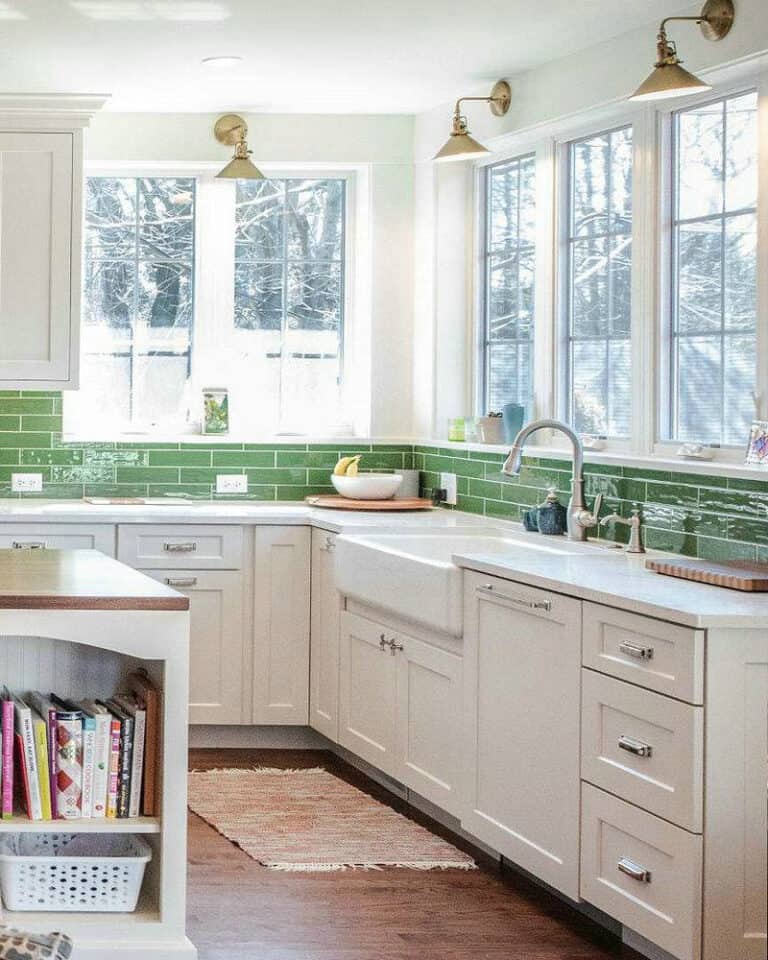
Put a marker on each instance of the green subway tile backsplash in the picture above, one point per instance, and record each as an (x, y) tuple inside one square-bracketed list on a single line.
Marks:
[(712, 517)]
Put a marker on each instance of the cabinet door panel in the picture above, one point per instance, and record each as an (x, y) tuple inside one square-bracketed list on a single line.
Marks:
[(324, 638), (281, 625), (521, 696), (38, 298), (58, 536), (367, 692), (216, 641), (428, 721)]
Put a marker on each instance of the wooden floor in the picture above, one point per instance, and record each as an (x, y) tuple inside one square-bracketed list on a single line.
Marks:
[(238, 909)]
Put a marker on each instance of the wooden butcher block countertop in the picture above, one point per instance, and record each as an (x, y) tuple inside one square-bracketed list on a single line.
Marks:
[(78, 580)]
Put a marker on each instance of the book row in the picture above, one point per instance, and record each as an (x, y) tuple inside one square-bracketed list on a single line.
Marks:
[(66, 759)]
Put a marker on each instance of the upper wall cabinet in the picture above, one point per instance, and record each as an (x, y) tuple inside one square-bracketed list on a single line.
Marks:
[(41, 194)]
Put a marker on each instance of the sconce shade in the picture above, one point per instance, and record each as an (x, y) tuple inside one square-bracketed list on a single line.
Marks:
[(669, 80), (240, 168), (460, 146)]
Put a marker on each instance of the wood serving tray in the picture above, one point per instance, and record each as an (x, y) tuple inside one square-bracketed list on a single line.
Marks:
[(336, 502), (736, 575)]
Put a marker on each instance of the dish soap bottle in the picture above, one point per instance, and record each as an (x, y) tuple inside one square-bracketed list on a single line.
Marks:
[(552, 516)]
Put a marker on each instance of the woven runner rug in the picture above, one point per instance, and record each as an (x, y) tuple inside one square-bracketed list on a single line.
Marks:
[(311, 821)]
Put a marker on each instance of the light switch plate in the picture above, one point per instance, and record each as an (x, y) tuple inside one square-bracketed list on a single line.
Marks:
[(26, 482), (448, 483), (231, 483)]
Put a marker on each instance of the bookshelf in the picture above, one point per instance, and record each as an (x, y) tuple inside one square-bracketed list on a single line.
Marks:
[(82, 624)]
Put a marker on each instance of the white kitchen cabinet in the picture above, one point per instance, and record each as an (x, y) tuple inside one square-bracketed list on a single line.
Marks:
[(217, 639), (325, 624), (736, 762), (58, 536), (281, 590), (400, 706), (428, 746), (41, 200), (522, 654)]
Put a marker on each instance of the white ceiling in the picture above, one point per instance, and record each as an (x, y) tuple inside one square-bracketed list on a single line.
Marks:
[(356, 56)]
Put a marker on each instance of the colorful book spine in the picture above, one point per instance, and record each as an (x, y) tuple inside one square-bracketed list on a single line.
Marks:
[(40, 728), (89, 764), (114, 768), (69, 764), (101, 764), (25, 730), (7, 757), (137, 765), (126, 757)]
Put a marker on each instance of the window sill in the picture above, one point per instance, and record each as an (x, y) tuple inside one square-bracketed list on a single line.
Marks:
[(709, 468), (212, 439)]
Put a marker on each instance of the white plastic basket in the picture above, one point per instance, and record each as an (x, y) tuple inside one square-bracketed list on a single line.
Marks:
[(85, 872)]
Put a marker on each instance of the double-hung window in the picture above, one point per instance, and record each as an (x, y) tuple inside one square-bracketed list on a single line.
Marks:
[(139, 300), (598, 284), (713, 288), (508, 302), (193, 282)]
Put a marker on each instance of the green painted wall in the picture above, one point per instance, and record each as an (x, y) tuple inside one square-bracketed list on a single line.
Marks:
[(712, 517)]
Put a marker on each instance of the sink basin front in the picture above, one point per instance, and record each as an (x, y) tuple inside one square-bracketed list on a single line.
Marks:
[(413, 574)]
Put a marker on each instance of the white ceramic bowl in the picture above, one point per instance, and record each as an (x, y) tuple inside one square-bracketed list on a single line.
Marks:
[(368, 486)]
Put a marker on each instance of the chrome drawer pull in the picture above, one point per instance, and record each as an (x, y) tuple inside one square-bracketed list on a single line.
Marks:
[(636, 651), (634, 870), (637, 747), (180, 547), (394, 646), (382, 641), (28, 544), (522, 601), (181, 581), (330, 545)]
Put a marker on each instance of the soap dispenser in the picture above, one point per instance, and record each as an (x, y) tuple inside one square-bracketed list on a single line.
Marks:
[(552, 517)]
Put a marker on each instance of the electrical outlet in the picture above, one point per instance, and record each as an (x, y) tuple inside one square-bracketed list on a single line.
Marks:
[(26, 482), (448, 483), (231, 483)]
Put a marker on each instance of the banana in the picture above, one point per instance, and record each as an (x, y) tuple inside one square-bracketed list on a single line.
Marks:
[(353, 468), (342, 466)]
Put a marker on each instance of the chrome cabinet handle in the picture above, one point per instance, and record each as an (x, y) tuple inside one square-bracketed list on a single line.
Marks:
[(382, 642), (637, 747), (522, 601), (636, 651), (394, 646), (179, 547), (634, 870), (181, 581), (28, 544), (330, 544)]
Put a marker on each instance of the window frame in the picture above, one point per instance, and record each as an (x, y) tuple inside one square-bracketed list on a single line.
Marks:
[(482, 338), (651, 237), (663, 444), (210, 285), (564, 266)]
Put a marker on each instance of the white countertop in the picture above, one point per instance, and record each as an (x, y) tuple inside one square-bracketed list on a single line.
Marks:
[(604, 576)]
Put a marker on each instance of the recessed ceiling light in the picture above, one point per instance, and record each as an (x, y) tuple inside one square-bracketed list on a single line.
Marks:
[(221, 63)]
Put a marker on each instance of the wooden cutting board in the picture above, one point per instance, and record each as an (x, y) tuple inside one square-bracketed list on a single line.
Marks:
[(335, 502), (736, 575)]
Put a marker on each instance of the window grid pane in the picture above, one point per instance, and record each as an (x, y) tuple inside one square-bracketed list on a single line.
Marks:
[(510, 250), (714, 271), (139, 295), (599, 277), (289, 287)]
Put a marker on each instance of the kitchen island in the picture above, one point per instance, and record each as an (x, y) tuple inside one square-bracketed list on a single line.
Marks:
[(77, 622)]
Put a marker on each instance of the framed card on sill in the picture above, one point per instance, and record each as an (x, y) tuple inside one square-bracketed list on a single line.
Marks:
[(757, 449)]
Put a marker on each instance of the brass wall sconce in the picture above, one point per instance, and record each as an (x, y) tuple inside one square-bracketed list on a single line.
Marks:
[(668, 78), (232, 130), (460, 145)]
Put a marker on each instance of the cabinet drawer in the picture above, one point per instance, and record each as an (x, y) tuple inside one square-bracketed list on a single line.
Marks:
[(644, 747), (199, 546), (661, 656), (642, 871), (58, 536)]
